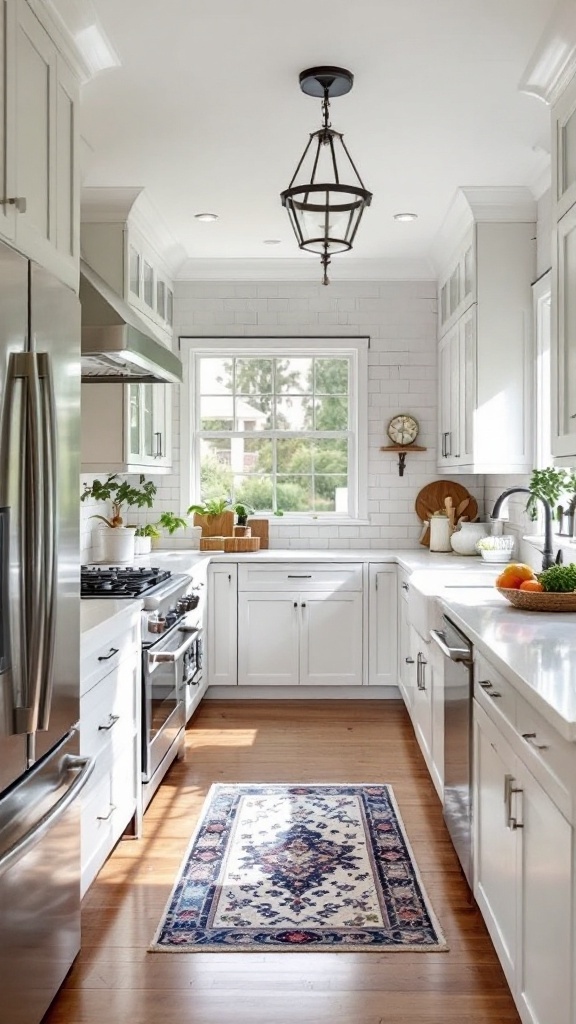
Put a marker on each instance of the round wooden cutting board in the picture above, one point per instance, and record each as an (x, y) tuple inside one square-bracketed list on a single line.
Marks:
[(432, 497)]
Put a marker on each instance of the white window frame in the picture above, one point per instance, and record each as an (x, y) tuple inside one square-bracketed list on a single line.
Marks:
[(357, 351)]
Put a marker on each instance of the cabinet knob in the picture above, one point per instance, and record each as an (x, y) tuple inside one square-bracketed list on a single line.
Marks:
[(405, 586), (409, 661), (303, 604), (18, 202)]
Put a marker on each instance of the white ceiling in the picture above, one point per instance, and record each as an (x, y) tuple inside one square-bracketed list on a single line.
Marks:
[(206, 112)]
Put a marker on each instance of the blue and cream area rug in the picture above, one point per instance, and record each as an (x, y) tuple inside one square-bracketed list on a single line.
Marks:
[(299, 867)]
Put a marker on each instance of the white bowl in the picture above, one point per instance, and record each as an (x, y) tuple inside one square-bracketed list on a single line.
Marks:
[(496, 554)]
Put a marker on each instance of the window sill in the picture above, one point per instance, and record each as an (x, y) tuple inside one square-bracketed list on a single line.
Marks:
[(287, 520)]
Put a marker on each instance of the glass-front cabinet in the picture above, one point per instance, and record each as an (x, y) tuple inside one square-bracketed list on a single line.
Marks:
[(149, 425), (564, 151)]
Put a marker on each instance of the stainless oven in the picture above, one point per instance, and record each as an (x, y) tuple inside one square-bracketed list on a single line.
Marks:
[(170, 665)]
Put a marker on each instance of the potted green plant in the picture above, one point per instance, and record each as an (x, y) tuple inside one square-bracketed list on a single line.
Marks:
[(242, 510), (143, 537), (215, 517), (166, 526), (550, 484), (117, 541)]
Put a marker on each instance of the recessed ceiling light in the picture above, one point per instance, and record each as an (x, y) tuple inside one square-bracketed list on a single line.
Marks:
[(272, 241), (405, 216), (206, 216)]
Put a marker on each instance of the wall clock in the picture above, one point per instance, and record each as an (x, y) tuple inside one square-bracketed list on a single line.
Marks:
[(403, 429)]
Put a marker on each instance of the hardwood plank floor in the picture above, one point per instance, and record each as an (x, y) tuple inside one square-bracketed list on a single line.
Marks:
[(115, 979)]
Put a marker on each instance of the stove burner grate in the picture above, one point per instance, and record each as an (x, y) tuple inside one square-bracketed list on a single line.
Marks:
[(120, 581)]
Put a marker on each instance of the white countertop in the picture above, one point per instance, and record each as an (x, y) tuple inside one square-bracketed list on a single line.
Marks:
[(96, 614)]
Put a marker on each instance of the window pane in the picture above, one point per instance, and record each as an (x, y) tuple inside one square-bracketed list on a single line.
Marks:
[(294, 493), (294, 376), (330, 494), (161, 299), (216, 412), (134, 271), (256, 491), (253, 376), (331, 376), (253, 413), (215, 473), (251, 455), (293, 413), (330, 456), (294, 455), (331, 413), (215, 376), (148, 285)]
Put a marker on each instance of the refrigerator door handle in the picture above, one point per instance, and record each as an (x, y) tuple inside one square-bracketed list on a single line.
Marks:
[(50, 517), (70, 763), (29, 492)]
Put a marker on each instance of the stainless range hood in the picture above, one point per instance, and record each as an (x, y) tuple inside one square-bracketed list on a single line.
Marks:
[(117, 347)]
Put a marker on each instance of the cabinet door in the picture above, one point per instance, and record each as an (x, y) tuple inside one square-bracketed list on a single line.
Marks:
[(449, 400), (268, 639), (545, 898), (149, 425), (495, 845), (7, 119), (331, 639), (222, 625), (406, 662), (35, 134), (564, 338), (67, 201), (564, 152), (422, 695), (382, 626), (466, 386)]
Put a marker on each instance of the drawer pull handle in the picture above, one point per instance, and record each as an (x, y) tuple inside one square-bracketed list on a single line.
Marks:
[(494, 694), (485, 684), (106, 657), (409, 661), (18, 202), (112, 719), (405, 586), (300, 577), (106, 817), (530, 738)]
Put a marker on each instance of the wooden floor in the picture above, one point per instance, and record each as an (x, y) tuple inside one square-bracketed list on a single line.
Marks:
[(115, 979)]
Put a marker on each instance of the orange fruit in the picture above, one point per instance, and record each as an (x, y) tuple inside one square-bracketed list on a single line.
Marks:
[(534, 586), (513, 575)]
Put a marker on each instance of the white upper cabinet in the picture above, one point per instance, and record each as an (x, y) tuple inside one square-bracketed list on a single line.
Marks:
[(39, 95), (124, 241), (485, 349), (563, 349), (126, 428)]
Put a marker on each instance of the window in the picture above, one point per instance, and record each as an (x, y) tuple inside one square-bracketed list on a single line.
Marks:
[(277, 426)]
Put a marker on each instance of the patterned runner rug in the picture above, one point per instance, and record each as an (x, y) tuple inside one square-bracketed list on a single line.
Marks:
[(299, 867)]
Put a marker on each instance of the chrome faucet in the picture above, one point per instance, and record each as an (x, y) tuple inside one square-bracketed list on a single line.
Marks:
[(547, 553)]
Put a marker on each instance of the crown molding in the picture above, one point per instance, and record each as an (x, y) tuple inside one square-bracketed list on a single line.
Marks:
[(553, 62), (304, 269), (476, 204), (118, 204)]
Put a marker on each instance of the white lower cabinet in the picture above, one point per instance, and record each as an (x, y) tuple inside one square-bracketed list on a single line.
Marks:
[(423, 695), (406, 663), (524, 877), (382, 625), (222, 625), (110, 731), (308, 638)]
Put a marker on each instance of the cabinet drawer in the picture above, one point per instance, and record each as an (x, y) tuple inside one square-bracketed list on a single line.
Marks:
[(97, 660), (301, 577), (550, 757), (108, 712), (493, 692)]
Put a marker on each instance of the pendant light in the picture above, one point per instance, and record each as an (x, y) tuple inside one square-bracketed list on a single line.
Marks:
[(324, 211)]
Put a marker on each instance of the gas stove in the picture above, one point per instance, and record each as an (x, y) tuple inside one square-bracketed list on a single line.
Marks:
[(119, 581)]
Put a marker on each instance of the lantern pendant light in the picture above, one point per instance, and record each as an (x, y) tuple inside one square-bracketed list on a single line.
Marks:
[(325, 212)]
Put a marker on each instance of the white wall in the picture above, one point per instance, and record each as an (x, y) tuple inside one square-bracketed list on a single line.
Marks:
[(400, 319)]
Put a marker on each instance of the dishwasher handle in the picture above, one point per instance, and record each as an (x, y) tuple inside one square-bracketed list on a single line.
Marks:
[(461, 654)]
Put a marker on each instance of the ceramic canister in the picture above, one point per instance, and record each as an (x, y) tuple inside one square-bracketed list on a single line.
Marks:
[(465, 538), (439, 533)]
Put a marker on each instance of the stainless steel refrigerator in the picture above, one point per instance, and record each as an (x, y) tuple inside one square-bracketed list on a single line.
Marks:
[(41, 774)]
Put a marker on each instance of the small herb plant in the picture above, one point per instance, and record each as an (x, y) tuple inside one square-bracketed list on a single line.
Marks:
[(212, 507), (242, 511), (121, 494), (150, 530), (169, 522)]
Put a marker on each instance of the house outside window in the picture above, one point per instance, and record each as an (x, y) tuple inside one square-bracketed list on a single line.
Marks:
[(280, 425)]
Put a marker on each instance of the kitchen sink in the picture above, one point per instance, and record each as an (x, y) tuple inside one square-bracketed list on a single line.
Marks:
[(427, 585)]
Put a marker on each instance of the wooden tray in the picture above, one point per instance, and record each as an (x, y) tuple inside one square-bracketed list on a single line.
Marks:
[(432, 497), (241, 543), (529, 601)]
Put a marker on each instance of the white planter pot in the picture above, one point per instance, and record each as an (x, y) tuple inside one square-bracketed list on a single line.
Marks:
[(117, 544), (142, 545)]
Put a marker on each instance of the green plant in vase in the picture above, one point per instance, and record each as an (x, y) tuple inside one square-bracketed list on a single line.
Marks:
[(121, 494)]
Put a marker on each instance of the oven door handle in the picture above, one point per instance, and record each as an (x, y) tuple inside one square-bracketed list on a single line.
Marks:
[(454, 653), (170, 657)]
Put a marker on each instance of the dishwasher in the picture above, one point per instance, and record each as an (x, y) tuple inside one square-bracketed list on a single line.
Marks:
[(458, 692)]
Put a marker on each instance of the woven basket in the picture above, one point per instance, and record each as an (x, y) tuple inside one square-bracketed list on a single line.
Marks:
[(530, 601)]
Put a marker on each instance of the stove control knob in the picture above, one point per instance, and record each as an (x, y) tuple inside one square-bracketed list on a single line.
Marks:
[(171, 617)]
